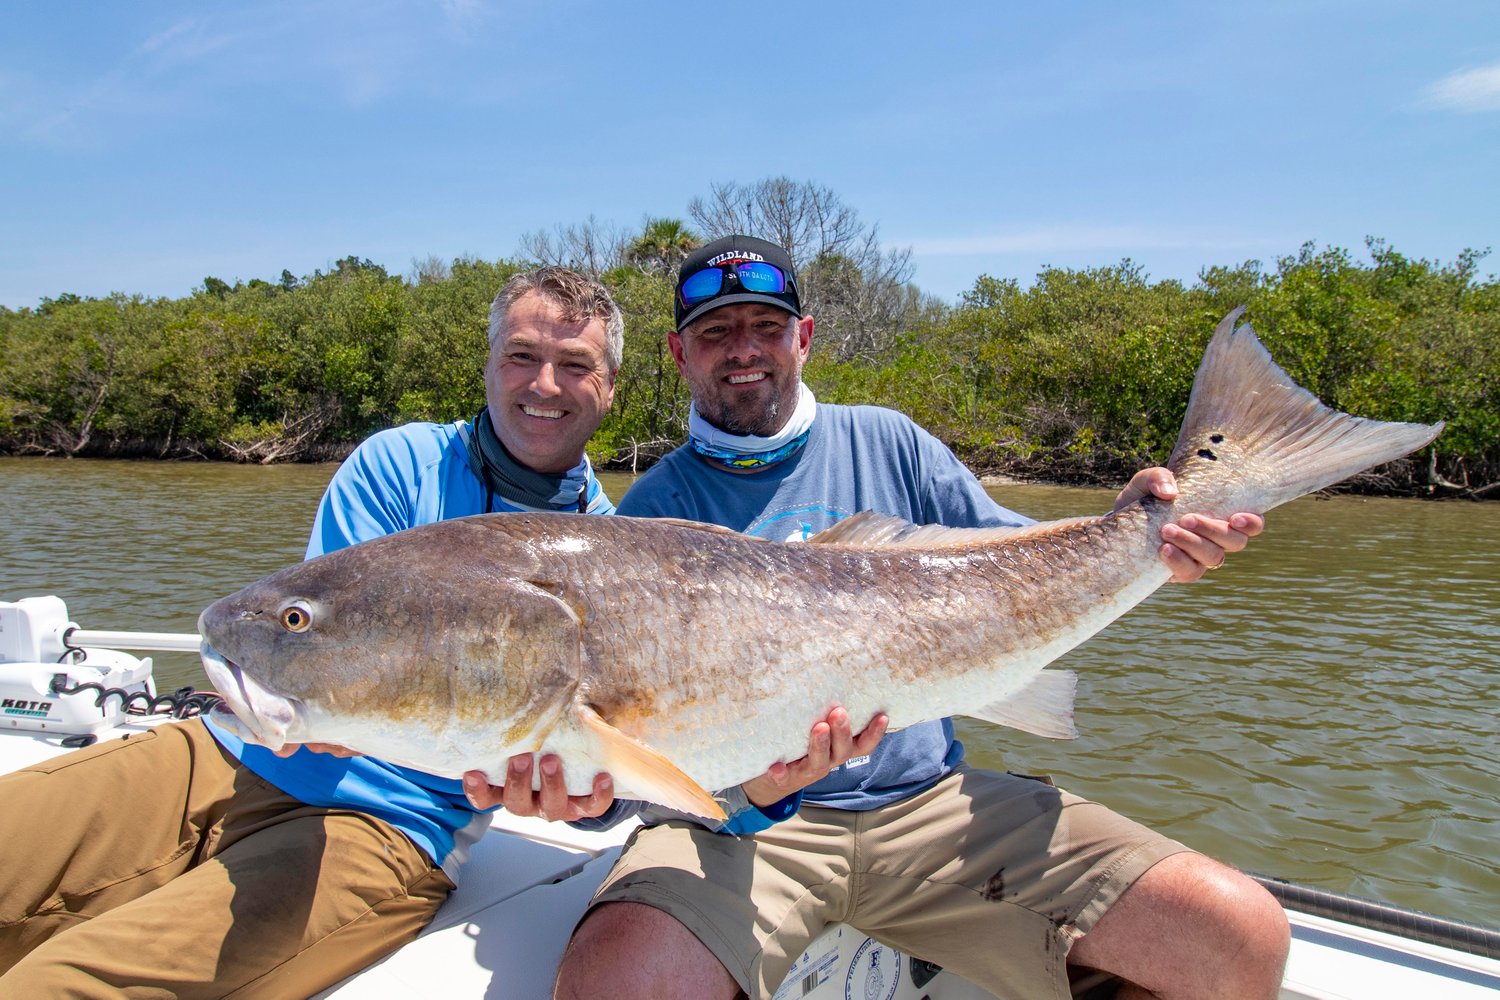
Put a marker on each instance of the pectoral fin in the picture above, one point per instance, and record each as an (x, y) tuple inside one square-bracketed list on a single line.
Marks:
[(1043, 707), (645, 771)]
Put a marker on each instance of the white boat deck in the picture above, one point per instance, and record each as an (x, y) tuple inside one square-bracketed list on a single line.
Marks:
[(507, 945)]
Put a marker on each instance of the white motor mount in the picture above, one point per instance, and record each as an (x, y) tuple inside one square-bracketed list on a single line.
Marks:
[(37, 663)]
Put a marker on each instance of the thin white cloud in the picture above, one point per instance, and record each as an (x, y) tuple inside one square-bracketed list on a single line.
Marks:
[(1070, 238), (151, 80), (462, 11), (184, 42), (161, 38), (1466, 90), (357, 52)]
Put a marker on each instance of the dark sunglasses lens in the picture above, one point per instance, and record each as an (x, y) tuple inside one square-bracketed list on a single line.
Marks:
[(762, 278), (703, 285)]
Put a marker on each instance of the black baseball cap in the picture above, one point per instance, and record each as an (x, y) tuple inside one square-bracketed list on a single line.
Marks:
[(727, 256)]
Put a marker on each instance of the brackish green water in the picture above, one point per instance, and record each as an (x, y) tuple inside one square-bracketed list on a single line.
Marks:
[(1324, 709)]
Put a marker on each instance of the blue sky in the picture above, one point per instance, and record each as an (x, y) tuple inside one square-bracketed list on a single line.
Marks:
[(146, 146)]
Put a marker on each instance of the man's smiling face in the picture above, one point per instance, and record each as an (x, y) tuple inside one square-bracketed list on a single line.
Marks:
[(547, 383), (743, 363)]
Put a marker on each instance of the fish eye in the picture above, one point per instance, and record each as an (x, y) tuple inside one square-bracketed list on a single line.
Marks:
[(296, 617)]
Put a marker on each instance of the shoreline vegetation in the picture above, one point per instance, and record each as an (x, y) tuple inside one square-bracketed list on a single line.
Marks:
[(1079, 378)]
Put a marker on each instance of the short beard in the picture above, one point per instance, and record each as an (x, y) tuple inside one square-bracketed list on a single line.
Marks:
[(767, 421)]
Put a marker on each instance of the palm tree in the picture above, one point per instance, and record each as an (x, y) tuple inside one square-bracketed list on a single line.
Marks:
[(661, 246)]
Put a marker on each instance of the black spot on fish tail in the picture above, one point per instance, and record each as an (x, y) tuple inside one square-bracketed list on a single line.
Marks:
[(1216, 438), (994, 889), (1205, 453)]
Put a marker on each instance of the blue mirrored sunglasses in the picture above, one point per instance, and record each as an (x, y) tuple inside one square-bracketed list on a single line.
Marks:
[(751, 276)]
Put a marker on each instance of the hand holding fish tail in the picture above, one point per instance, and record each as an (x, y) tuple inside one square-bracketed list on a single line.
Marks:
[(550, 802), (1197, 543), (831, 743)]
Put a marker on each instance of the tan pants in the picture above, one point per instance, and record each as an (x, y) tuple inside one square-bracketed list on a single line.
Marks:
[(157, 866), (993, 876)]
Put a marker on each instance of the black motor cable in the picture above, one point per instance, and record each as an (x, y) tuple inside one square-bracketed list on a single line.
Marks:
[(184, 703)]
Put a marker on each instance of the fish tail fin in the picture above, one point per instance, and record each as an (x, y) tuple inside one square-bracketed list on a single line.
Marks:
[(1252, 438), (646, 772)]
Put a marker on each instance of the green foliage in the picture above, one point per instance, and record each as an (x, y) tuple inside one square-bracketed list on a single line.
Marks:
[(1082, 375), (1400, 340), (649, 416), (437, 368), (1085, 374)]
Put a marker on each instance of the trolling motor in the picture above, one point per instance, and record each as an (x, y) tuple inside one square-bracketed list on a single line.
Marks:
[(58, 678)]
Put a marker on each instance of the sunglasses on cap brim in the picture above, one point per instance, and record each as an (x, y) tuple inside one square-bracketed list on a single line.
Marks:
[(750, 276)]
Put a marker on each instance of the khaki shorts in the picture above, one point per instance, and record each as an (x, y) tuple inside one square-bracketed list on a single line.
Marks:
[(992, 876), (157, 864)]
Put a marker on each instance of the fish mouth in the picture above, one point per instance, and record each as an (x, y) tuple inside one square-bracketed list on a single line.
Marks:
[(253, 712)]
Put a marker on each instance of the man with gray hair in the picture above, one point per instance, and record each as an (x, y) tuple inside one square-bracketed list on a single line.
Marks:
[(185, 862)]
